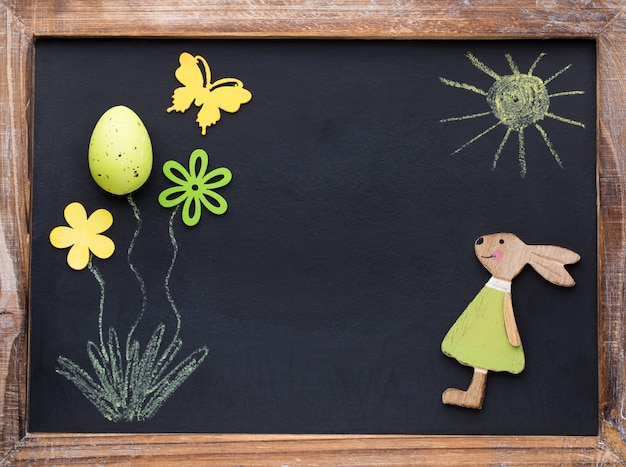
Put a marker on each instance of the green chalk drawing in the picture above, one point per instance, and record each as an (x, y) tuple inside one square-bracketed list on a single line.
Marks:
[(134, 385), (142, 284), (166, 284), (518, 101)]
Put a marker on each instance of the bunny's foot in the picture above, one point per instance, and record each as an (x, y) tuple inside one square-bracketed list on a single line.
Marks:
[(473, 397)]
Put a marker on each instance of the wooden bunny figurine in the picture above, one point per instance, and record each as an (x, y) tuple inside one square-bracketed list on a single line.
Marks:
[(485, 336)]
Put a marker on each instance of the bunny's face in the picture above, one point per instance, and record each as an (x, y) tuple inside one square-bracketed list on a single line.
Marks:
[(503, 254)]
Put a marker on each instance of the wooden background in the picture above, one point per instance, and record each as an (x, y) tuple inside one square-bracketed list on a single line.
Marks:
[(26, 20)]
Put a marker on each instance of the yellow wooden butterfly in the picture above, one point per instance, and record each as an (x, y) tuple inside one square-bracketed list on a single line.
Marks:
[(227, 94)]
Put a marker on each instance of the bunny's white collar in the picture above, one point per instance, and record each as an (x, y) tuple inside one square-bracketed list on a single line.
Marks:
[(499, 284)]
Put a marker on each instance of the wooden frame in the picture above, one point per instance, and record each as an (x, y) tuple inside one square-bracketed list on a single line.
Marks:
[(26, 20)]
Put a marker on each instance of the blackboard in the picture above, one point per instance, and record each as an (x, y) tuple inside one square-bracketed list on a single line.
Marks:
[(346, 252)]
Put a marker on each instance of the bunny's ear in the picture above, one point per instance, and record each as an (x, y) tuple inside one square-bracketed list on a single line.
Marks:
[(549, 261)]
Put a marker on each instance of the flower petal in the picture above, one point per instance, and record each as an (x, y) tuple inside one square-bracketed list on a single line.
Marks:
[(219, 208), (199, 155), (78, 257), (194, 218), (99, 221), (169, 203), (75, 215), (171, 166), (101, 246), (223, 176), (62, 236)]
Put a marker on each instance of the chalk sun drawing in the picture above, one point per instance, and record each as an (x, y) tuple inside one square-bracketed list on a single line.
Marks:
[(518, 101)]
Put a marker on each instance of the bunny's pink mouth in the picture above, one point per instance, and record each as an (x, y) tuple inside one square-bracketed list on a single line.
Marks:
[(497, 255)]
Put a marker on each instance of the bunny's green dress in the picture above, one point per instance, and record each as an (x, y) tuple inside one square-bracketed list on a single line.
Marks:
[(478, 337)]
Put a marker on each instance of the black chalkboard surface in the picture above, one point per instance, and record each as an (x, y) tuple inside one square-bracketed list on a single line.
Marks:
[(346, 253)]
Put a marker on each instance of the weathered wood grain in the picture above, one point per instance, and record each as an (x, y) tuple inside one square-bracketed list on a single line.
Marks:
[(259, 450), (25, 20), (611, 233), (15, 110), (313, 18)]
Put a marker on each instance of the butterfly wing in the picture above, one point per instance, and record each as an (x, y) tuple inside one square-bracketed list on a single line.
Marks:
[(227, 94), (190, 76), (230, 94)]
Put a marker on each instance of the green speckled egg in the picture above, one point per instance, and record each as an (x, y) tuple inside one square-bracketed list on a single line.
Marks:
[(120, 151)]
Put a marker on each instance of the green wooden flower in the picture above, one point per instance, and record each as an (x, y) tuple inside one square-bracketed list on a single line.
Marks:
[(195, 187)]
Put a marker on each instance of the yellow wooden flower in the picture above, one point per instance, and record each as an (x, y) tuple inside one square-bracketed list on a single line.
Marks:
[(83, 235)]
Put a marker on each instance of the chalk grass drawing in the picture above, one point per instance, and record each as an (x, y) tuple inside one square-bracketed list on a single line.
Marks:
[(129, 384), (226, 94), (518, 101)]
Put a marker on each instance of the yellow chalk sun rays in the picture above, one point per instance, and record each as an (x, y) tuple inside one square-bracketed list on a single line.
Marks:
[(518, 101)]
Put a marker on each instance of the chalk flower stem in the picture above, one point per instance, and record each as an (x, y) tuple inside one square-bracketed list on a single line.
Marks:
[(195, 187), (83, 235)]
